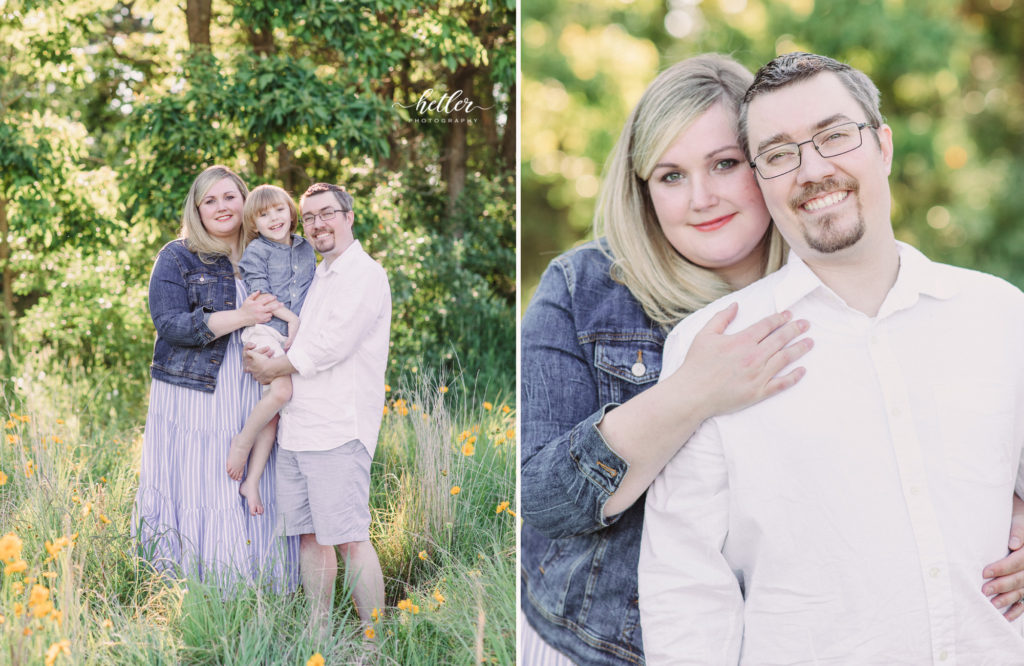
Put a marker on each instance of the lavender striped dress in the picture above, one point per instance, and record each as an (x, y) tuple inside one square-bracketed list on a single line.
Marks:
[(189, 517)]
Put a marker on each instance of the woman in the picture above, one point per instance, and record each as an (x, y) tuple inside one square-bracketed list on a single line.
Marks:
[(190, 517), (684, 224)]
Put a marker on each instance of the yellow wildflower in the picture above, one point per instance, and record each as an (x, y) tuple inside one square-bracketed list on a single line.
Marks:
[(443, 389), (19, 608), (104, 519), (60, 421), (439, 597), (16, 567), (107, 624), (86, 509), (415, 407), (370, 633), (3, 477), (2, 619), (385, 410), (57, 616), (506, 409), (50, 575), (488, 406), (316, 660), (103, 479), (415, 609), (10, 547), (18, 587), (423, 555), (464, 435), (510, 433), (9, 425), (55, 650), (405, 604), (30, 579), (468, 449), (24, 418), (387, 388), (12, 439), (26, 631), (403, 411), (456, 490), (444, 472), (375, 614), (501, 507), (30, 468)]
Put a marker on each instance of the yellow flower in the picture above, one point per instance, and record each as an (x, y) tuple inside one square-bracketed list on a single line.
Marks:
[(506, 409), (463, 435), (423, 555), (56, 650), (19, 608), (387, 388), (375, 614), (107, 624), (415, 407), (2, 619), (60, 421), (3, 477), (38, 595), (443, 389), (439, 597), (444, 472), (86, 509), (10, 547), (103, 479), (399, 403), (9, 425), (488, 406), (456, 490), (104, 519), (18, 587), (468, 449), (26, 631), (404, 411), (24, 418), (501, 507), (57, 616), (405, 604), (50, 575), (316, 660), (385, 410), (30, 467), (510, 433), (370, 633), (12, 439), (16, 567)]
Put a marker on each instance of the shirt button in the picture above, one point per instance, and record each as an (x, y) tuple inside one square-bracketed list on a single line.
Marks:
[(934, 572), (943, 655), (915, 490)]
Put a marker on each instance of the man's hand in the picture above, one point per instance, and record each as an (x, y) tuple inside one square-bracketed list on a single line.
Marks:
[(1007, 575), (256, 362)]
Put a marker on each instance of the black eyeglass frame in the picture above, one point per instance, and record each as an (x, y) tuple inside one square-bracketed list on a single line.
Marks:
[(321, 215), (800, 155)]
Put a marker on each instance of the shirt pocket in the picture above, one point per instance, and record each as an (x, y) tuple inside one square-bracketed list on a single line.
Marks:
[(202, 288), (625, 366)]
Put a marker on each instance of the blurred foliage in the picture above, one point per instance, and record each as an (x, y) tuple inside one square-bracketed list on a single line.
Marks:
[(951, 74), (109, 109)]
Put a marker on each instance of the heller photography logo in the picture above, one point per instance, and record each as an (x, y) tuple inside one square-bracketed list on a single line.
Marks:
[(441, 110)]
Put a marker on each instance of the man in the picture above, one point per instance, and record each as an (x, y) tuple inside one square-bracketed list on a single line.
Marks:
[(848, 519), (328, 432)]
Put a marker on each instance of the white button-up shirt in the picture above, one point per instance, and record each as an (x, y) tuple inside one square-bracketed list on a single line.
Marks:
[(847, 520), (340, 354)]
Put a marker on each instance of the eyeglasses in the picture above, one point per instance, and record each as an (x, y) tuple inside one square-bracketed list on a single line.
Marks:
[(325, 216), (830, 142)]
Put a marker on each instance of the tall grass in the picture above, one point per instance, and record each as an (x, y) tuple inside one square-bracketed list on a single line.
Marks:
[(73, 588)]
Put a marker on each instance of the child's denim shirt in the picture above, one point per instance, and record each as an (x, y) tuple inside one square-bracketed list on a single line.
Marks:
[(286, 271), (183, 292), (587, 346)]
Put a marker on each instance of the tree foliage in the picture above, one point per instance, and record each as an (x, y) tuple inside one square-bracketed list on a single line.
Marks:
[(113, 108), (950, 73)]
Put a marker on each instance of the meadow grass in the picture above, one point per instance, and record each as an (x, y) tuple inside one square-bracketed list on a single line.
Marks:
[(74, 589)]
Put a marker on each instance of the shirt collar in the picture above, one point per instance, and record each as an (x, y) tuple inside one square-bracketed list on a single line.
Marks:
[(918, 276), (346, 257), (296, 240)]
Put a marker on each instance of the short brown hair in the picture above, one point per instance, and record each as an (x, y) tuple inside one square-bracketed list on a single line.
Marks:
[(343, 197), (259, 200)]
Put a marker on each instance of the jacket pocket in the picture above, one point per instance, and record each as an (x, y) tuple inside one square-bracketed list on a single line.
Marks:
[(625, 367), (202, 288)]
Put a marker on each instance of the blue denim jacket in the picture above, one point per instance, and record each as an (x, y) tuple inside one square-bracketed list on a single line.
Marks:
[(587, 346), (286, 271), (183, 292)]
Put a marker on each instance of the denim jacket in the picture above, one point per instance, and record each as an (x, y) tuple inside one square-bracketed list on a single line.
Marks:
[(183, 292), (286, 271), (587, 346)]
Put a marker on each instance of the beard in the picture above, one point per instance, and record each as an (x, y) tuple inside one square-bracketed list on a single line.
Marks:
[(826, 234)]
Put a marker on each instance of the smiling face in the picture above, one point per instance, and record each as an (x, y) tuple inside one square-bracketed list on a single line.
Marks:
[(331, 238), (706, 199), (827, 208), (275, 223), (220, 210)]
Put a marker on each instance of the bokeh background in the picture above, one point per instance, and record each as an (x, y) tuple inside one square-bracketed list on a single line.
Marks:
[(951, 73)]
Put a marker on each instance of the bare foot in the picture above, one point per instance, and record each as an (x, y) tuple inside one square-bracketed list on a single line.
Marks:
[(250, 490), (237, 455)]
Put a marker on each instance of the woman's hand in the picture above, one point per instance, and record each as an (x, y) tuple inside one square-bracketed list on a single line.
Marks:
[(258, 308), (1007, 574), (735, 371)]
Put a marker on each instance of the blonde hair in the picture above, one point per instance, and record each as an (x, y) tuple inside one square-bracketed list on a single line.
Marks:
[(197, 239), (667, 285), (259, 200)]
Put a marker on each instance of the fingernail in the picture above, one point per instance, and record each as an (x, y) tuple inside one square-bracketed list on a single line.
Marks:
[(1016, 542), (803, 325), (998, 603), (987, 590)]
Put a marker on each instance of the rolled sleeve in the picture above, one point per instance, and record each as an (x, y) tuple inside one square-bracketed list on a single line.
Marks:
[(568, 471)]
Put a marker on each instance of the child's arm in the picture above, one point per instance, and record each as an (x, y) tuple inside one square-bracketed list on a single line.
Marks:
[(292, 320)]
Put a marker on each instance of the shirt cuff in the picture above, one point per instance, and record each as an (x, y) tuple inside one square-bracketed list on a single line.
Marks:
[(201, 325), (596, 460), (302, 363)]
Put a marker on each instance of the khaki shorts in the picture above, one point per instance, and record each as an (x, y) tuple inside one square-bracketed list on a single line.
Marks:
[(326, 493)]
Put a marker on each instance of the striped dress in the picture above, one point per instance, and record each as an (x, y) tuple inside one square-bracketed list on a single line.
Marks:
[(189, 517)]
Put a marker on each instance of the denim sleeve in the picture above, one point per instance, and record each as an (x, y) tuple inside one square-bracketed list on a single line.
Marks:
[(568, 471), (169, 308), (254, 267)]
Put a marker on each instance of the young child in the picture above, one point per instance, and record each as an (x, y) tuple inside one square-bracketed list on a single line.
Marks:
[(279, 262)]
